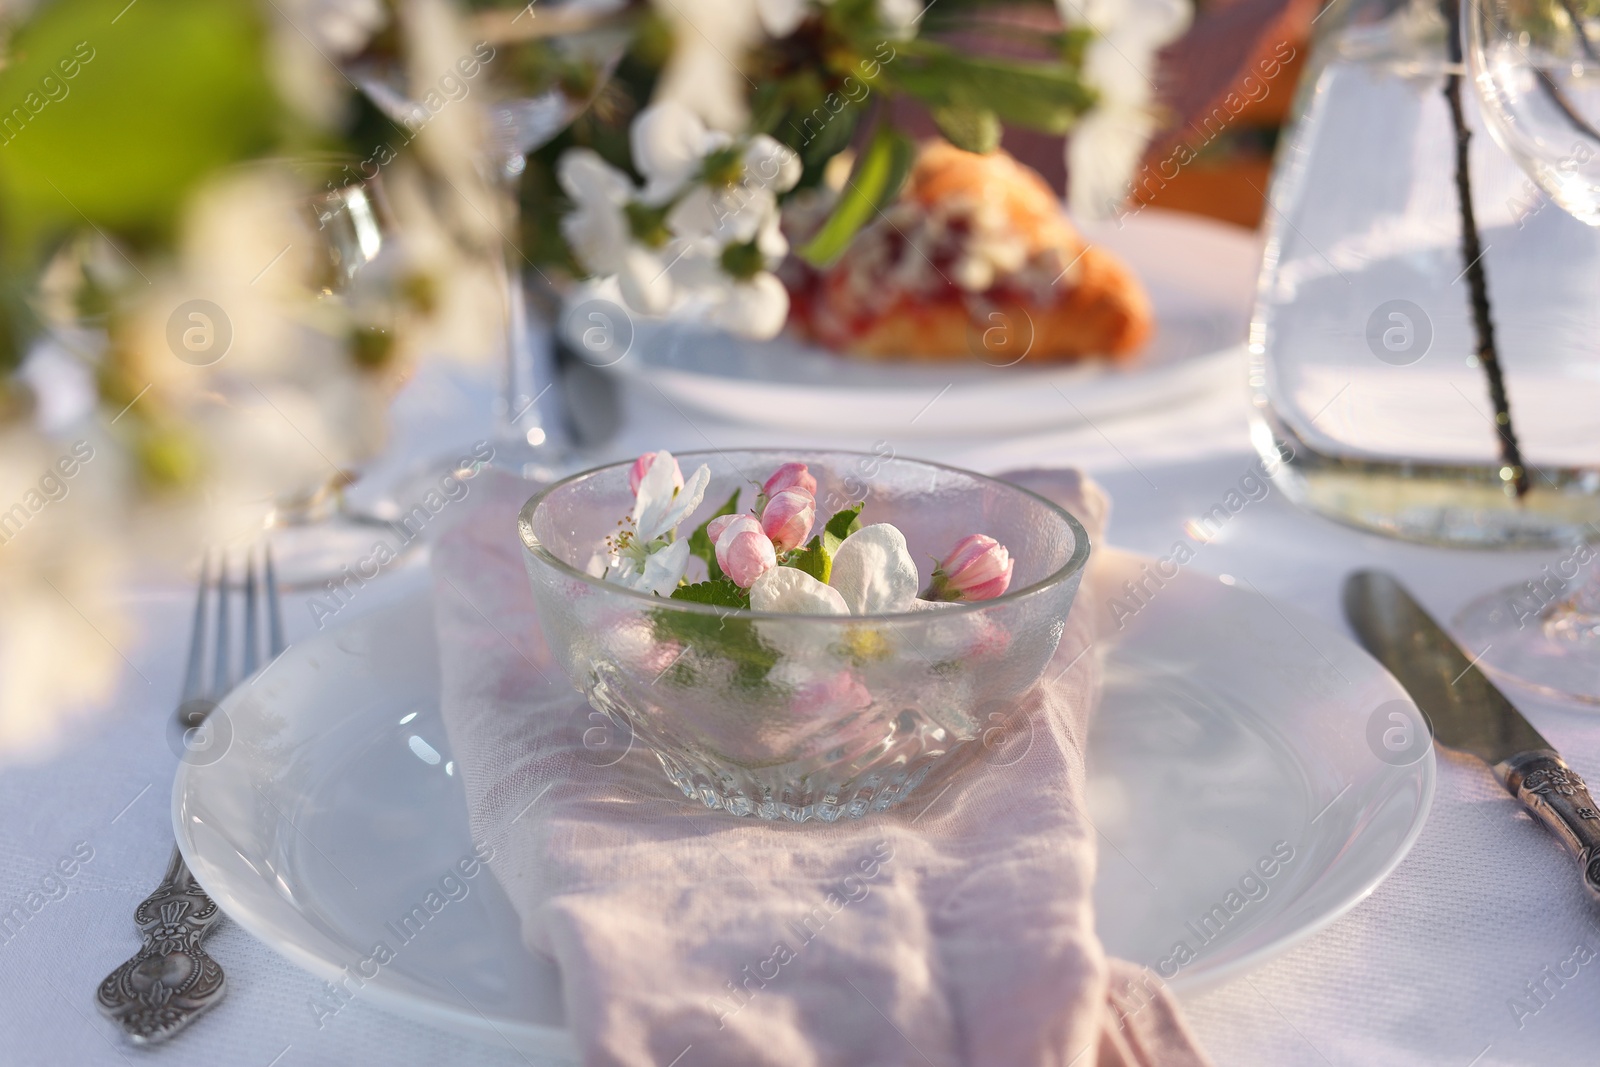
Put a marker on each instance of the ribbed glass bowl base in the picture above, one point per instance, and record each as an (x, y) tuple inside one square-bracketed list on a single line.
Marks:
[(800, 799)]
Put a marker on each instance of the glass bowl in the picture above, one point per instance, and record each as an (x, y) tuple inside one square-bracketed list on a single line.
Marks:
[(806, 716)]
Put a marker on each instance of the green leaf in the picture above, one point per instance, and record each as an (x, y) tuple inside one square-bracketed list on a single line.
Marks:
[(743, 261), (720, 592), (700, 543), (1040, 96), (814, 559), (831, 137), (875, 181), (842, 525), (648, 224), (973, 129), (117, 111), (726, 637)]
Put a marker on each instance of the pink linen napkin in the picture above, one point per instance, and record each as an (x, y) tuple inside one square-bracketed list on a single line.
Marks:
[(955, 929)]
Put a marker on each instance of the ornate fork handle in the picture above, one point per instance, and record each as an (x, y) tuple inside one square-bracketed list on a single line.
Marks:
[(171, 980)]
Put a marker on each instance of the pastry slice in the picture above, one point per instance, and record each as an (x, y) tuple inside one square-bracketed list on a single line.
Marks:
[(976, 260)]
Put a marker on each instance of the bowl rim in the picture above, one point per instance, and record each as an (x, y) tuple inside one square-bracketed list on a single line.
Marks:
[(1074, 564)]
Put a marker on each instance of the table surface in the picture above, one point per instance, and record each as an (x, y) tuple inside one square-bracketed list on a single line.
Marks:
[(1456, 959)]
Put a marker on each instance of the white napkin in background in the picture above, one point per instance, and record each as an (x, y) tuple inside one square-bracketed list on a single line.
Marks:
[(954, 929)]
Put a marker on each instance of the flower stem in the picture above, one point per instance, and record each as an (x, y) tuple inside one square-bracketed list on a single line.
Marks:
[(1513, 473)]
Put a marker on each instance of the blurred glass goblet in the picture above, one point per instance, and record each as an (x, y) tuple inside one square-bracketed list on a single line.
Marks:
[(1537, 70), (1536, 67), (549, 62), (315, 533)]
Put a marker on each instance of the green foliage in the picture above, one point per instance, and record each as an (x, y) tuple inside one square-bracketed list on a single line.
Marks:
[(842, 525), (974, 129), (723, 635), (813, 90), (370, 347), (648, 223), (1075, 44), (720, 636), (874, 182), (831, 139), (603, 127), (167, 458), (17, 321), (743, 261), (814, 559), (719, 592), (168, 92), (700, 541), (1039, 96), (544, 203), (809, 111)]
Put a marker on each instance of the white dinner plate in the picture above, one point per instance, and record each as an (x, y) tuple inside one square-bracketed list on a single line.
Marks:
[(1233, 740), (1201, 277)]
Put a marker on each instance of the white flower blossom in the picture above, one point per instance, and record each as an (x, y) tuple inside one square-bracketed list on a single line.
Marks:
[(1105, 147), (670, 143), (649, 557), (754, 308), (791, 590), (900, 17), (874, 572), (780, 18), (745, 210), (601, 236), (686, 271), (699, 74), (653, 567), (660, 506), (339, 27)]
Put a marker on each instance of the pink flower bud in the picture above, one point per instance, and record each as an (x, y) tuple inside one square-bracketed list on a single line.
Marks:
[(715, 527), (790, 476), (745, 553), (788, 516), (978, 568), (641, 467)]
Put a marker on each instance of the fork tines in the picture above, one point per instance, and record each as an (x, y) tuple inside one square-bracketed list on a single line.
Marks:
[(233, 659)]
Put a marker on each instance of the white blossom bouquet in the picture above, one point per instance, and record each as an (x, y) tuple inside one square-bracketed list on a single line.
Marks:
[(178, 349), (767, 559), (669, 190)]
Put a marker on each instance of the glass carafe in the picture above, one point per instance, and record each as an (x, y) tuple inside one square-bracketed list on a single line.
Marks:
[(1364, 370)]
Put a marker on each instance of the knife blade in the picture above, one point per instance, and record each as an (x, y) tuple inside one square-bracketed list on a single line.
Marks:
[(1467, 712)]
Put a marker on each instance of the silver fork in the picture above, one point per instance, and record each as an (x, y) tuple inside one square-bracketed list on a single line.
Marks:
[(171, 980)]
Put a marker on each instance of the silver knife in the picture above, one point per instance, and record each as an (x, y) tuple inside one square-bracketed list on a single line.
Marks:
[(1469, 714)]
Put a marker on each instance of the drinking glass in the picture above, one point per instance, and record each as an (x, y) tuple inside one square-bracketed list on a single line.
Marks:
[(550, 60), (802, 717), (1537, 72), (315, 531)]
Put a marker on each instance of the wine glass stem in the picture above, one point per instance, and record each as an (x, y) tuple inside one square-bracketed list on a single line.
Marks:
[(1576, 616), (528, 387)]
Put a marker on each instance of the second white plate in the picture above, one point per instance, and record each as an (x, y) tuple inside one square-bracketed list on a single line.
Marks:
[(1232, 741), (1201, 278)]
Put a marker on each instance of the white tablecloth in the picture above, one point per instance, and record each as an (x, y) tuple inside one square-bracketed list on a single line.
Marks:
[(1425, 971)]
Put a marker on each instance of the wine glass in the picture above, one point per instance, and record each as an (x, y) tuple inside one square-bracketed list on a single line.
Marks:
[(314, 531), (548, 65), (1537, 70), (1536, 67)]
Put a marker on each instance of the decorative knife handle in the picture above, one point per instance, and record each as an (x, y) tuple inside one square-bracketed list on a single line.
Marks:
[(170, 980), (1557, 796)]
